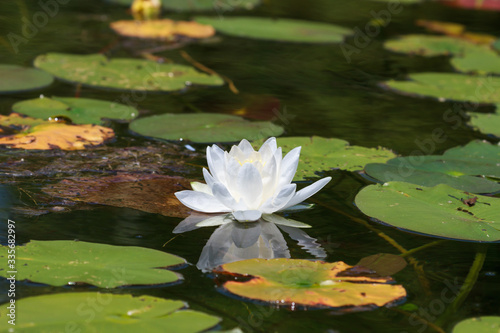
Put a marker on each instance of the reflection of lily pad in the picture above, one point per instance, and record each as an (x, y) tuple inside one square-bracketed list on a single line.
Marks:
[(30, 133), (204, 127), (17, 79), (60, 263), (149, 193), (440, 211), (278, 29), (485, 324), (310, 283), (220, 6), (320, 154), (457, 167), (125, 74), (450, 86), (487, 123), (162, 29), (99, 312), (78, 110)]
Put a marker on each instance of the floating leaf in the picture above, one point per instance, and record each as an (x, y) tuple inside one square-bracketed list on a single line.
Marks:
[(278, 29), (60, 263), (124, 74), (19, 79), (434, 211), (220, 6), (496, 45), (30, 133), (296, 282), (450, 86), (320, 154), (457, 167), (384, 264), (487, 123), (485, 324), (100, 312), (162, 29), (474, 4), (78, 110), (149, 193), (204, 127)]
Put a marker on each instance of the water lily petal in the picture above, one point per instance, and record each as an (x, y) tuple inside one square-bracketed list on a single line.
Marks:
[(208, 178), (247, 215), (215, 221), (200, 187), (271, 143), (216, 163), (245, 235), (306, 192), (249, 186), (269, 174), (280, 200), (201, 202), (224, 196), (289, 167), (276, 219), (246, 147)]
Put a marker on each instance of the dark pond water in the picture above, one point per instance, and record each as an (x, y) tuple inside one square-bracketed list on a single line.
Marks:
[(323, 93)]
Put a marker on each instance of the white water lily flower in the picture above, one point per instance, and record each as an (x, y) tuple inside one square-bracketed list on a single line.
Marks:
[(248, 183)]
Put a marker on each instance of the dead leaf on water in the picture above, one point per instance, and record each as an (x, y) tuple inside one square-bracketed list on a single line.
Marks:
[(162, 29)]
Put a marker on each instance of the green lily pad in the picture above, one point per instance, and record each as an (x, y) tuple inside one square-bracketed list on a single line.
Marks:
[(96, 70), (485, 324), (100, 312), (278, 29), (200, 5), (496, 45), (321, 154), (467, 56), (296, 282), (60, 263), (458, 167), (78, 110), (204, 127), (450, 86), (19, 79), (487, 123), (440, 211)]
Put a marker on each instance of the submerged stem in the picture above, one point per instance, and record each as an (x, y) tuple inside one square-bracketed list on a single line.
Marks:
[(423, 247)]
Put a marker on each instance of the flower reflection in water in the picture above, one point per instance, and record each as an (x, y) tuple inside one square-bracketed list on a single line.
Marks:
[(234, 241)]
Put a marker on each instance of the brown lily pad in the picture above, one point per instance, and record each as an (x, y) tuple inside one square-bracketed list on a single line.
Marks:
[(297, 282), (384, 264), (30, 133), (162, 29), (149, 193)]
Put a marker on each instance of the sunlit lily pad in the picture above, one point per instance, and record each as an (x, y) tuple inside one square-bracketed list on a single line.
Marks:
[(321, 154), (496, 45), (78, 110), (485, 324), (204, 127), (60, 263), (30, 133), (18, 79), (162, 29), (462, 168), (456, 30), (100, 312), (440, 211), (487, 123), (149, 193), (450, 86), (221, 6), (294, 282), (278, 29), (124, 74)]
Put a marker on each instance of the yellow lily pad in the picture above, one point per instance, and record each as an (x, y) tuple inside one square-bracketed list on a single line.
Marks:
[(296, 282), (30, 133), (162, 29)]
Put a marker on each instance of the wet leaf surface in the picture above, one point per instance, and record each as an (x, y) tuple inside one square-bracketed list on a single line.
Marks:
[(162, 29), (123, 74), (296, 282), (434, 211), (19, 79), (484, 324), (60, 263), (117, 313), (149, 193), (29, 133), (384, 264)]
